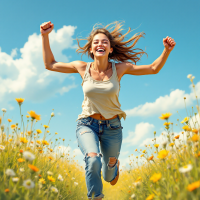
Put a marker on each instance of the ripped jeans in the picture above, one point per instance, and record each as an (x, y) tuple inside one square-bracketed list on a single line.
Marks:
[(89, 133)]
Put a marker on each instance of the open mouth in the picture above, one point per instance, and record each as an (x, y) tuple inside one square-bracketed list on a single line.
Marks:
[(100, 50)]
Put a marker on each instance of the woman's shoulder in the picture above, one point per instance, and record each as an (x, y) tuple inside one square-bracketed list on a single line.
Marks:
[(80, 66)]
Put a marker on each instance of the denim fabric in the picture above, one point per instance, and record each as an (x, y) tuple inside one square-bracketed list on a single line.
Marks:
[(103, 137)]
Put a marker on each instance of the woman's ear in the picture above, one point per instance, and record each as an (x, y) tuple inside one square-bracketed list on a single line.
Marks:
[(111, 50)]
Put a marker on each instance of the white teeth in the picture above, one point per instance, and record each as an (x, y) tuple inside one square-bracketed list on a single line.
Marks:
[(100, 50)]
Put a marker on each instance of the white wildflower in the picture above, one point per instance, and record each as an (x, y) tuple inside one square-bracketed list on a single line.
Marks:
[(60, 178), (54, 189), (132, 196), (21, 169), (73, 178), (189, 75), (3, 109), (2, 147), (10, 172), (29, 184), (137, 183), (193, 77), (15, 179), (49, 173), (28, 155), (185, 168), (75, 183)]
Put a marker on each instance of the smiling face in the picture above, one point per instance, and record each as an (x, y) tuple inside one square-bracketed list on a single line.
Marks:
[(101, 46)]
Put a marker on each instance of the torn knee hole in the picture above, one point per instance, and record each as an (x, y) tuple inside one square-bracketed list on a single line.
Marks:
[(112, 161), (92, 154)]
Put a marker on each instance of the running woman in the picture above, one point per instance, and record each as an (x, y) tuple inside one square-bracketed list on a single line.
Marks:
[(99, 130)]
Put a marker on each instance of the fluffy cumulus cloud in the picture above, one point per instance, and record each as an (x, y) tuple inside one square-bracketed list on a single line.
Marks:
[(141, 130), (173, 101), (27, 77)]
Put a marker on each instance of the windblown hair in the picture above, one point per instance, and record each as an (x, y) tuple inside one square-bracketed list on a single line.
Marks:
[(122, 50)]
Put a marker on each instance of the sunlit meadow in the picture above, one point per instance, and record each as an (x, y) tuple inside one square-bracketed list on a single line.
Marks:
[(34, 164)]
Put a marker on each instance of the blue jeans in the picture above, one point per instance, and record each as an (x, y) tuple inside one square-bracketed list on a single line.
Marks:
[(89, 133)]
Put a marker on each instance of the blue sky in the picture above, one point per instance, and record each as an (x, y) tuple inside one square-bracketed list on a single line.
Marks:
[(144, 98)]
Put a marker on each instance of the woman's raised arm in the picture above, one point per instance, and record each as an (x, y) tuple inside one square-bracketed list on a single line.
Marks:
[(155, 67), (49, 60)]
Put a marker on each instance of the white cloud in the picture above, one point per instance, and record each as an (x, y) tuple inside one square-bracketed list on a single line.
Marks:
[(27, 77), (173, 101), (141, 130)]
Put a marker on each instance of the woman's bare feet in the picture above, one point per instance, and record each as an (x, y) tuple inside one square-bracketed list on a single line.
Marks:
[(113, 182)]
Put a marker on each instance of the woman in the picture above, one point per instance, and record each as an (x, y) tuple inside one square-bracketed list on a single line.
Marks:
[(100, 120)]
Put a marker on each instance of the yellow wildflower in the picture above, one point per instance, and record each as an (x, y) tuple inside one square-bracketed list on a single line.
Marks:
[(186, 119), (9, 120), (150, 197), (19, 100), (186, 128), (171, 144), (165, 116), (162, 154), (194, 130), (156, 145), (13, 126), (138, 179), (166, 123), (45, 126), (155, 177), (150, 158), (45, 142), (51, 178), (56, 133), (27, 116), (38, 131), (142, 155), (143, 151), (195, 138), (38, 141), (34, 115), (42, 180), (23, 140), (20, 160)]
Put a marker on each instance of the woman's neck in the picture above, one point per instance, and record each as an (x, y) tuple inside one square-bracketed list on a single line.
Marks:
[(101, 64)]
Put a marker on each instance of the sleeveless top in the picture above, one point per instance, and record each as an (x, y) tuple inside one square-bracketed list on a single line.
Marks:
[(101, 96)]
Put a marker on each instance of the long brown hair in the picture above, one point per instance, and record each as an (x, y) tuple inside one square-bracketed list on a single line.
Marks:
[(122, 50)]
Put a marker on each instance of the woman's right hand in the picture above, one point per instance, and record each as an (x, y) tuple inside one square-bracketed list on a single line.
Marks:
[(46, 28)]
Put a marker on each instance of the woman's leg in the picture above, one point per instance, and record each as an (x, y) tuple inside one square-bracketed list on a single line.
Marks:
[(111, 141), (88, 142)]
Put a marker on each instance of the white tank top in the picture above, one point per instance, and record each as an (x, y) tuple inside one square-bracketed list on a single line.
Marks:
[(101, 96)]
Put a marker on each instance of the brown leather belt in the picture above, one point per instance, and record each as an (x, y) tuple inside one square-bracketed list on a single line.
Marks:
[(100, 117)]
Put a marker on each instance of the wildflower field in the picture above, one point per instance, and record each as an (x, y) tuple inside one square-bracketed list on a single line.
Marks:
[(34, 167)]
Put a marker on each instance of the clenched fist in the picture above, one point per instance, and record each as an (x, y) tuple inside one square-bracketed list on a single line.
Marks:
[(46, 28), (169, 43)]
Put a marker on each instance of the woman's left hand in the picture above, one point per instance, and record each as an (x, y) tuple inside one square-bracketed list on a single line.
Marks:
[(169, 43)]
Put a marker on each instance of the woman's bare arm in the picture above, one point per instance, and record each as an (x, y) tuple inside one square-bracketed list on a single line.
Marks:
[(49, 60), (155, 67)]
